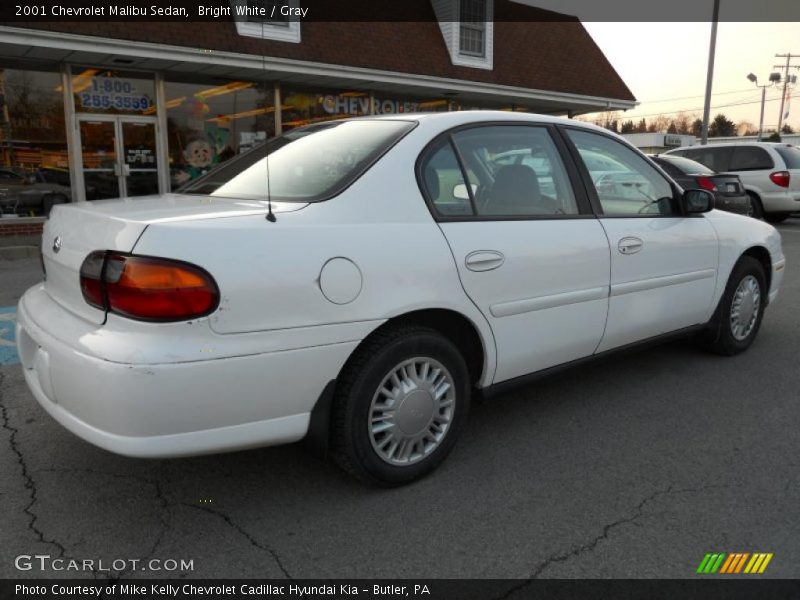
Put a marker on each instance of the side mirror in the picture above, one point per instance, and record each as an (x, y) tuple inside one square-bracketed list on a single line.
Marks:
[(697, 201), (460, 191)]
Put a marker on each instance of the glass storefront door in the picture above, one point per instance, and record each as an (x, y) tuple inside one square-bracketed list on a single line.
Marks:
[(139, 164), (118, 156)]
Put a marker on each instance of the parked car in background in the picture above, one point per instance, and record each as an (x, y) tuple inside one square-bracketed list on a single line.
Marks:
[(377, 291), (29, 195), (728, 190), (770, 173)]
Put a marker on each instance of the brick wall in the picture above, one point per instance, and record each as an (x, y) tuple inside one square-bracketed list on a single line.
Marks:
[(20, 229)]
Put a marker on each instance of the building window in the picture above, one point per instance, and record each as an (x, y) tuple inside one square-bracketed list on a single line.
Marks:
[(113, 92), (266, 19), (271, 11), (472, 30), (467, 28), (299, 108), (34, 164), (210, 121)]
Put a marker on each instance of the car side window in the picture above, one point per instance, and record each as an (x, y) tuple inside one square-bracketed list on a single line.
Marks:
[(444, 183), (717, 159), (515, 171), (750, 158), (633, 187)]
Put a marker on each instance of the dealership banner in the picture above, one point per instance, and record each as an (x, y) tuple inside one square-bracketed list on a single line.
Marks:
[(26, 11), (421, 589)]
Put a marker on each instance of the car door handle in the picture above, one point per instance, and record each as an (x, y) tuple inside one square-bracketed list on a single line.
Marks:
[(484, 260), (630, 245)]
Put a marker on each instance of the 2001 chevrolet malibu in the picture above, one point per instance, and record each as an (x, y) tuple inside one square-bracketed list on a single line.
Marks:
[(356, 281)]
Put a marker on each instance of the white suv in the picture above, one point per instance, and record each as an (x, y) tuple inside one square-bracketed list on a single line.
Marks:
[(770, 173)]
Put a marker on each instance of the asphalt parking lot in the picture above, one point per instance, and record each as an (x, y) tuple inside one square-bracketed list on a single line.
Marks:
[(632, 468)]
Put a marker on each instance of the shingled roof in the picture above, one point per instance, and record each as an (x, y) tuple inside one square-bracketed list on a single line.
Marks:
[(533, 48)]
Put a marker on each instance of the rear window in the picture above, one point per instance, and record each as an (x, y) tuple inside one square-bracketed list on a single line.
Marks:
[(790, 155), (750, 158), (685, 166), (309, 164)]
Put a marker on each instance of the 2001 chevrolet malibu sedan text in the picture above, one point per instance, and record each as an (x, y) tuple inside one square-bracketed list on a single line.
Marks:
[(403, 264)]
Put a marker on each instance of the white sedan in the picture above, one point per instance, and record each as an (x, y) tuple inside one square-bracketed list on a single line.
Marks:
[(356, 282)]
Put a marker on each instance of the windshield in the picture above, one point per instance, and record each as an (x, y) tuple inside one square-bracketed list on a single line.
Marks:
[(305, 165), (687, 165)]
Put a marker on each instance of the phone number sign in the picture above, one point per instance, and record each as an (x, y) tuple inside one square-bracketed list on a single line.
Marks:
[(107, 93)]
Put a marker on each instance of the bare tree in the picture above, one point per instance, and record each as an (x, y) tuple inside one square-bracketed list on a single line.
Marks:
[(746, 128)]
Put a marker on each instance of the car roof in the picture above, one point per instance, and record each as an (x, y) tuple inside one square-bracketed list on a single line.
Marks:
[(732, 144), (475, 116)]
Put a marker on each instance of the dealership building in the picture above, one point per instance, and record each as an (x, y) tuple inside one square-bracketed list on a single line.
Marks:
[(105, 109)]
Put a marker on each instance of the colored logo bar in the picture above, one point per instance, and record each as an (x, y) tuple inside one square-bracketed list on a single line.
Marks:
[(734, 563)]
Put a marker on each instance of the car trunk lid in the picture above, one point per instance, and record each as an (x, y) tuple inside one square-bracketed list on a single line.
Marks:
[(728, 184), (75, 230)]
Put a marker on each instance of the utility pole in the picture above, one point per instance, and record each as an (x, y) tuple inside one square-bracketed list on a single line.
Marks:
[(712, 50), (786, 78)]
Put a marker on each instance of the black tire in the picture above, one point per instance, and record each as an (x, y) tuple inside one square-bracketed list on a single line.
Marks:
[(776, 217), (352, 442), (755, 203), (720, 338)]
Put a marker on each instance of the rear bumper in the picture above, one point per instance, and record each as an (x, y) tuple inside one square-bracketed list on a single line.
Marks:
[(172, 409)]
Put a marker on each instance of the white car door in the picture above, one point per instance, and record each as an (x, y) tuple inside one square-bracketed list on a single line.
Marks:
[(663, 264), (529, 252)]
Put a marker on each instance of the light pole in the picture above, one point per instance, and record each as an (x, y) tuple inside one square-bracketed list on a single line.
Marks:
[(712, 50), (773, 79)]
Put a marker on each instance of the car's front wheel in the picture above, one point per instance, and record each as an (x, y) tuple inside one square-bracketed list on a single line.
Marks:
[(400, 404), (738, 316)]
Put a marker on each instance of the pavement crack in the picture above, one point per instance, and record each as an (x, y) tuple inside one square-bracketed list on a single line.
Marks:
[(239, 529), (166, 505), (29, 482), (593, 543), (166, 524)]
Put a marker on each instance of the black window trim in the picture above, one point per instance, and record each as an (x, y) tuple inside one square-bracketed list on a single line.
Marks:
[(589, 187), (573, 177)]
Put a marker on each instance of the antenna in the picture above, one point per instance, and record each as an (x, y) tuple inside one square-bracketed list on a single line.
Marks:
[(270, 215)]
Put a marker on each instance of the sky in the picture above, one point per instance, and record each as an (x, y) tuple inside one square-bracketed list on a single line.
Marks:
[(664, 65)]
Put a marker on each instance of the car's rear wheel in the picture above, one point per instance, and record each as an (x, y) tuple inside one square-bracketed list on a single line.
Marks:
[(756, 209), (776, 217), (737, 319), (400, 404)]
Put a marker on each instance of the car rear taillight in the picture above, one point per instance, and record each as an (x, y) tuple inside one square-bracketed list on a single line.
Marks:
[(780, 178), (147, 288), (706, 184)]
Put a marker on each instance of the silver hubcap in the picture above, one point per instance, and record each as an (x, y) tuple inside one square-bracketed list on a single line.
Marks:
[(411, 411), (744, 308)]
